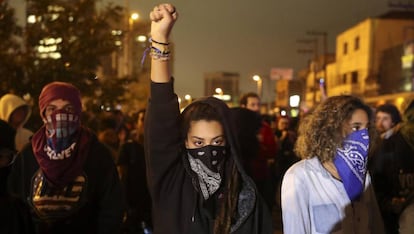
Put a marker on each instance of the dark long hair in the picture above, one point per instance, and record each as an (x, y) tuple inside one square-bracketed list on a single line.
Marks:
[(227, 210)]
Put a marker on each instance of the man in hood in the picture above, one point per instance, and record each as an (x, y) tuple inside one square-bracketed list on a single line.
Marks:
[(15, 111)]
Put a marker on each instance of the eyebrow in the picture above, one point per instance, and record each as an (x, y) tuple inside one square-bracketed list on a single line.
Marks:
[(357, 123), (200, 138)]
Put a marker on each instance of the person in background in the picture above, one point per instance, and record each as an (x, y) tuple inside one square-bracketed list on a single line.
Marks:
[(392, 176), (15, 111), (387, 118), (196, 180), (108, 135), (138, 132), (285, 156), (248, 124), (66, 175), (329, 190), (14, 214), (133, 174), (261, 164)]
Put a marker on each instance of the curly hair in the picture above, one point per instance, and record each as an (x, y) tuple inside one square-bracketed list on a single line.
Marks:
[(322, 132)]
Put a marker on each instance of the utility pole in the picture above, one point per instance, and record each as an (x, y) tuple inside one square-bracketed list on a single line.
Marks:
[(313, 68)]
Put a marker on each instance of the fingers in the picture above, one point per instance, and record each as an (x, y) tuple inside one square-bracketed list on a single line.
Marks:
[(163, 10)]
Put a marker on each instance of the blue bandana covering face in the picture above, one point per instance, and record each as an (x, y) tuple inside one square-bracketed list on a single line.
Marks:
[(351, 162)]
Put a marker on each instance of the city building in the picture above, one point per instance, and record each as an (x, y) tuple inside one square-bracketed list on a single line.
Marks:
[(223, 85), (373, 60)]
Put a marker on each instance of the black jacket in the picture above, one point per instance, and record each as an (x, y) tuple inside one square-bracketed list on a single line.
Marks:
[(392, 170), (100, 204), (177, 204)]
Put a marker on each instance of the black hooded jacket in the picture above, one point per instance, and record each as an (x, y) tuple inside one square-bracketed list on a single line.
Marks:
[(177, 204)]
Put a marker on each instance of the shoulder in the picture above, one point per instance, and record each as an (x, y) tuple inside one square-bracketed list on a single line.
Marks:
[(305, 166)]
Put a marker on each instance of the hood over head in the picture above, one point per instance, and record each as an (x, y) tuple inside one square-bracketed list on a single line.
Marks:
[(230, 129), (9, 103), (60, 90)]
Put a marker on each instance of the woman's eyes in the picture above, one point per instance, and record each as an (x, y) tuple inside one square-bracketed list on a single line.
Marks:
[(355, 128), (358, 127), (214, 142), (198, 143), (218, 142)]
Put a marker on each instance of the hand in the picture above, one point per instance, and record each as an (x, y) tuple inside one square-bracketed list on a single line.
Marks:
[(163, 17)]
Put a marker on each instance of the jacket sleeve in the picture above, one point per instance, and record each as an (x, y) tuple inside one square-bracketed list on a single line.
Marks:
[(162, 138), (295, 210)]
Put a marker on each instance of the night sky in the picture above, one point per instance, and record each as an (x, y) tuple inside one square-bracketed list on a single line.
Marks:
[(250, 36)]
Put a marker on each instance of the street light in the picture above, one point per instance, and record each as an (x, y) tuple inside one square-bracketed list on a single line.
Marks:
[(258, 79), (134, 16), (128, 43)]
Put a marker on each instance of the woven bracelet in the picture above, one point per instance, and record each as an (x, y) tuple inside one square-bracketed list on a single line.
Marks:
[(157, 42)]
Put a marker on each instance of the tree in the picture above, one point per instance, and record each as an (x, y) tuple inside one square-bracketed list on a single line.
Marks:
[(11, 59), (67, 39)]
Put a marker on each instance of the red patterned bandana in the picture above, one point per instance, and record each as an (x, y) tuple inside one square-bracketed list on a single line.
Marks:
[(61, 168), (61, 126)]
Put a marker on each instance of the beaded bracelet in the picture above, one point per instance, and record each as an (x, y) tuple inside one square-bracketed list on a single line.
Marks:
[(160, 43), (157, 54)]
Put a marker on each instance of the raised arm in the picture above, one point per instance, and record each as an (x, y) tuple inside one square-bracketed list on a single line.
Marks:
[(163, 18)]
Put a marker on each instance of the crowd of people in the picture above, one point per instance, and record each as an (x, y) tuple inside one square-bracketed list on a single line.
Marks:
[(345, 167)]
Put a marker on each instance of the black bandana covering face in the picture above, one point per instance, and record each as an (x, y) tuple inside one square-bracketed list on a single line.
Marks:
[(207, 162)]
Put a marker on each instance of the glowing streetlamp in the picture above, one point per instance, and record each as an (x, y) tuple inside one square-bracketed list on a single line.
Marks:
[(259, 81), (187, 97)]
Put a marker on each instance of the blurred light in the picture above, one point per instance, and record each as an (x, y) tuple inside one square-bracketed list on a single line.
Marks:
[(179, 100), (283, 113), (256, 78), (321, 81), (71, 18), (219, 91), (118, 43), (55, 55), (54, 17), (294, 100), (116, 32), (134, 16), (31, 19), (399, 101), (407, 87), (294, 112), (187, 97), (141, 38), (224, 97)]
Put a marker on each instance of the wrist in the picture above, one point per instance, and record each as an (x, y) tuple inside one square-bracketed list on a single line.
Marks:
[(160, 38)]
